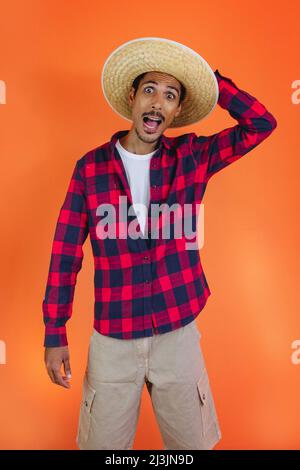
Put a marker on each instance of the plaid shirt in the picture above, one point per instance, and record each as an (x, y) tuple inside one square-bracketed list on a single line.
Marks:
[(145, 285)]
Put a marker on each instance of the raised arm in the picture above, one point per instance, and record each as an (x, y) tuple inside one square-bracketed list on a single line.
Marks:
[(215, 152)]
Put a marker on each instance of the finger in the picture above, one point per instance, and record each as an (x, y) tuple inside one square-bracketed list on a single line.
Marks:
[(59, 380), (50, 373), (48, 368), (67, 368)]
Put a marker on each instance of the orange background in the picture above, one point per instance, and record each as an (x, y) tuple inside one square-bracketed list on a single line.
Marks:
[(51, 56)]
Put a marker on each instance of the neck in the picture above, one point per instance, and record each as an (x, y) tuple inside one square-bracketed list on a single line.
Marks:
[(133, 143)]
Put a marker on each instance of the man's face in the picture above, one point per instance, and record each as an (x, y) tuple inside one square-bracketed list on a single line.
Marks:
[(159, 100)]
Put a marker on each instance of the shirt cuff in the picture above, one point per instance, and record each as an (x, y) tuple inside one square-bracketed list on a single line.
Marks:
[(55, 337)]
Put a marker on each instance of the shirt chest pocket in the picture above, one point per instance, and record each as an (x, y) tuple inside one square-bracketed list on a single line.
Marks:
[(103, 192)]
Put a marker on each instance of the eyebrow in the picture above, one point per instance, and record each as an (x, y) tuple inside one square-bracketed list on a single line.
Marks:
[(155, 83)]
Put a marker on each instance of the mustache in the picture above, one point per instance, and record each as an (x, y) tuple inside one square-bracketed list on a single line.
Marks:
[(157, 115)]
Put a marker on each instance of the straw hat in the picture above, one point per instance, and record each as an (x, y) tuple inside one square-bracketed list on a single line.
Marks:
[(148, 54)]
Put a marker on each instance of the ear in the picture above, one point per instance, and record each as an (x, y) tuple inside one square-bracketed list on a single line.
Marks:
[(131, 96), (178, 111)]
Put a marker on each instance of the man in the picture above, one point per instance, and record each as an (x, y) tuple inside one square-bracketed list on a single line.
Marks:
[(148, 289)]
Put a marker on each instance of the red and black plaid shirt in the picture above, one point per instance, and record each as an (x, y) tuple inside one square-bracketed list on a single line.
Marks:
[(148, 284)]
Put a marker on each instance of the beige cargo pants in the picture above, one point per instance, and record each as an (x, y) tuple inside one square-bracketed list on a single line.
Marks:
[(173, 367)]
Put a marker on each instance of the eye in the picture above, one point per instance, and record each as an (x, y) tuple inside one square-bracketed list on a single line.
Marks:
[(151, 88)]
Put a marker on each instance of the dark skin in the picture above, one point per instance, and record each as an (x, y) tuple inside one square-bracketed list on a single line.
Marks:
[(157, 100), (54, 358), (160, 100)]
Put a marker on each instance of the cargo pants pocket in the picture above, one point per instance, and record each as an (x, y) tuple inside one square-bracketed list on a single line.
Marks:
[(88, 396), (210, 426)]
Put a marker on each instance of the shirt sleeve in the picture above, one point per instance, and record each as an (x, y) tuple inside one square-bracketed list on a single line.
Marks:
[(65, 262), (215, 152)]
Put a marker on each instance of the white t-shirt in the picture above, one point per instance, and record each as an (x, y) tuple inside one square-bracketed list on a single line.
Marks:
[(137, 171)]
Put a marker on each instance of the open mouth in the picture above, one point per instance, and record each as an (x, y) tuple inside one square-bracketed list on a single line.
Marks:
[(150, 124)]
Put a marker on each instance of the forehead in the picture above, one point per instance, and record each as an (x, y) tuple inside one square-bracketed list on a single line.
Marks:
[(161, 77)]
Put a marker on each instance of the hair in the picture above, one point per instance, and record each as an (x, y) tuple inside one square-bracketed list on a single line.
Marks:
[(137, 80)]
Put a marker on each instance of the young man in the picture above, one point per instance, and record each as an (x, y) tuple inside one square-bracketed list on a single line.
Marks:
[(149, 288)]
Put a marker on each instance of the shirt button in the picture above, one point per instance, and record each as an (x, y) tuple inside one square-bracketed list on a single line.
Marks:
[(147, 281), (154, 186), (146, 258)]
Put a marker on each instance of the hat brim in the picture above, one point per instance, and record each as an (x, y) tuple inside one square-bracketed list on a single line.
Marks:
[(148, 54)]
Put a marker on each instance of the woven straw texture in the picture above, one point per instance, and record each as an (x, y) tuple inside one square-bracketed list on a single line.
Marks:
[(156, 54)]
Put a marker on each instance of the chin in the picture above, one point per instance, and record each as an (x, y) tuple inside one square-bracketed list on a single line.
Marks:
[(148, 137)]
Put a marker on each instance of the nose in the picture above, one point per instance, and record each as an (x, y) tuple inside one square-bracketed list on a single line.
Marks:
[(157, 102), (156, 105)]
